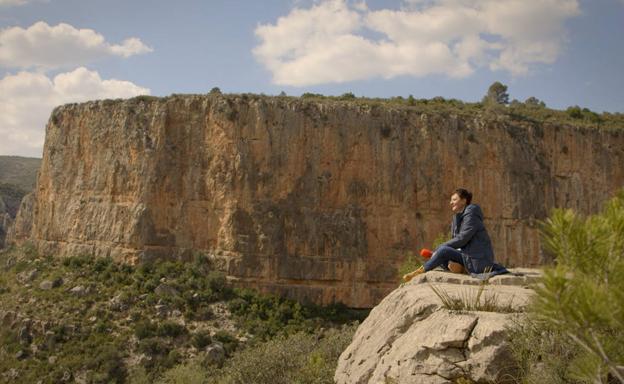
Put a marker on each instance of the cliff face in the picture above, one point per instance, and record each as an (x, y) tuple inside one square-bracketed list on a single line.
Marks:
[(318, 200)]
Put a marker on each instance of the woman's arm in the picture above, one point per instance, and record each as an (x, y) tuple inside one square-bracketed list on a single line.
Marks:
[(471, 223)]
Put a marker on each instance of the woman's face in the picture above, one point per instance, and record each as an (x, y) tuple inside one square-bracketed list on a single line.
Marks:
[(457, 204)]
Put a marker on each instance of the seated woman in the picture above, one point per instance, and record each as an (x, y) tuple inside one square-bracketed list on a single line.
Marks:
[(470, 246)]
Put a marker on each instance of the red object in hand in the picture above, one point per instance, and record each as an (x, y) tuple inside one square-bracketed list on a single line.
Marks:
[(426, 253)]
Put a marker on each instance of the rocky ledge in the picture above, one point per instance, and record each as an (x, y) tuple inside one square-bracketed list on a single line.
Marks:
[(412, 337)]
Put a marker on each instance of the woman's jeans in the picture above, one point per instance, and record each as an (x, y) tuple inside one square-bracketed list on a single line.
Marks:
[(442, 256)]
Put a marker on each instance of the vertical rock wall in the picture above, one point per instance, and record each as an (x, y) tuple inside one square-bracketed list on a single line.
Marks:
[(317, 200)]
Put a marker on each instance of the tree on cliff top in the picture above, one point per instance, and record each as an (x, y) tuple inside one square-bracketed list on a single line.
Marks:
[(496, 94), (534, 102)]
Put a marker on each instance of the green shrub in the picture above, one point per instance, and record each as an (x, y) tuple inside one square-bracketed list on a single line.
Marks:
[(107, 365), (347, 96), (144, 329), (575, 112), (154, 346), (267, 315), (171, 329), (101, 264), (307, 95), (202, 313), (410, 264), (542, 353), (173, 357), (216, 281), (189, 372), (77, 262), (580, 301), (229, 341), (299, 358), (201, 339)]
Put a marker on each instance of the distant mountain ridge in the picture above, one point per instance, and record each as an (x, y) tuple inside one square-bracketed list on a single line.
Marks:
[(18, 176), (19, 171)]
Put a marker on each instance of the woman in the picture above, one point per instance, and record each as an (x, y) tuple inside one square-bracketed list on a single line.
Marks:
[(470, 245)]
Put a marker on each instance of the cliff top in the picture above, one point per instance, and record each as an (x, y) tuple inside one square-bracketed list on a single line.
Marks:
[(515, 111)]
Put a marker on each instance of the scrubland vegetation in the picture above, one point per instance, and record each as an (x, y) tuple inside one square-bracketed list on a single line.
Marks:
[(97, 321)]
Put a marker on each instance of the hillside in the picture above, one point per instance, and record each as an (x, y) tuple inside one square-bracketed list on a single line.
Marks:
[(98, 321)]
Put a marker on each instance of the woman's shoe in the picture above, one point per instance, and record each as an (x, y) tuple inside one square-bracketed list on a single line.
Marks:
[(409, 276)]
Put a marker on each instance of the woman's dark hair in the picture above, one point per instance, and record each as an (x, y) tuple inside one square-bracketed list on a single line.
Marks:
[(464, 194)]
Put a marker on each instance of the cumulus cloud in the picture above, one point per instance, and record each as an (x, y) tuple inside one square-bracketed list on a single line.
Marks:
[(46, 47), (12, 3), (330, 41), (27, 98), (17, 3)]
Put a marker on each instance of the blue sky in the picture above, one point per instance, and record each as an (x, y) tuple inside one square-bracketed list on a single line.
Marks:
[(564, 52)]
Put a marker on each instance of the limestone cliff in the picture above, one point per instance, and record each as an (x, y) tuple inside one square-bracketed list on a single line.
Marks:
[(320, 200)]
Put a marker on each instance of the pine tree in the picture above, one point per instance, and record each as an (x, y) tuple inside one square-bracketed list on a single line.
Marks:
[(496, 94), (582, 296)]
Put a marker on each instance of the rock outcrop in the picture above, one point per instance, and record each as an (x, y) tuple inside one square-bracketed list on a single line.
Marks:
[(5, 222), (21, 226), (319, 200), (410, 337)]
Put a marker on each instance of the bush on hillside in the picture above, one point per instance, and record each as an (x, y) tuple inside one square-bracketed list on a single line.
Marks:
[(267, 316), (298, 358)]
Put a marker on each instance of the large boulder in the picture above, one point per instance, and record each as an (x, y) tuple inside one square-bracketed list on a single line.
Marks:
[(410, 337)]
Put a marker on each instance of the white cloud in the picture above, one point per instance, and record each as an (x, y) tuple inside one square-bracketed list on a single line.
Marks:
[(12, 3), (17, 3), (46, 47), (329, 42), (27, 98)]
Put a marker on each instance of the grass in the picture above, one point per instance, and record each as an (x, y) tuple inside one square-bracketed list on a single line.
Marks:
[(473, 300), (543, 353)]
